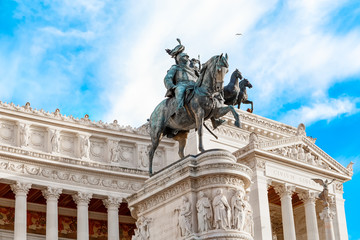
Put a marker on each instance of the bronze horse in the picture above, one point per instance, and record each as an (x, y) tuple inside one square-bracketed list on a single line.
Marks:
[(243, 97), (205, 102), (231, 91), (235, 91)]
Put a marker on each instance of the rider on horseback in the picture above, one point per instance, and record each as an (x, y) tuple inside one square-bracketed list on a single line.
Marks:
[(180, 76)]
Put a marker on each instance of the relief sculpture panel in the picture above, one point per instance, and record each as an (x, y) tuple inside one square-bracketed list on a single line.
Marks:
[(7, 132)]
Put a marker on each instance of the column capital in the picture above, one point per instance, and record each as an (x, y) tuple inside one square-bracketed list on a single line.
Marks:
[(327, 214), (51, 192), (112, 202), (308, 196), (82, 198), (284, 189), (20, 187)]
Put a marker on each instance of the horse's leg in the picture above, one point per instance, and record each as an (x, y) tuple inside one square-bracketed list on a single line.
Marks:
[(249, 102), (181, 137), (224, 110), (239, 105), (199, 120), (156, 135)]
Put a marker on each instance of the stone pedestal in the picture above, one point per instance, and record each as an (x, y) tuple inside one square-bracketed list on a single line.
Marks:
[(327, 216), (198, 197)]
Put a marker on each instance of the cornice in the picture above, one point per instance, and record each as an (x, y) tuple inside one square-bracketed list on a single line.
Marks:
[(243, 157), (310, 144), (266, 126), (56, 117)]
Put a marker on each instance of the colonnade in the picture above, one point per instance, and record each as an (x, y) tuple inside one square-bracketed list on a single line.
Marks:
[(285, 191), (82, 199)]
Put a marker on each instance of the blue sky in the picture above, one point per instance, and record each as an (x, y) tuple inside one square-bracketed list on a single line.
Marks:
[(107, 59)]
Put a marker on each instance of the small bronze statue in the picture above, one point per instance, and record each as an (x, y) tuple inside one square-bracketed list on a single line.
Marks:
[(324, 195)]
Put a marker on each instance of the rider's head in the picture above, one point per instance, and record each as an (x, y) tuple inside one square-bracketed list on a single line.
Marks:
[(182, 59)]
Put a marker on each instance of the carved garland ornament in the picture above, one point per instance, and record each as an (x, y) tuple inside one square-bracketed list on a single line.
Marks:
[(68, 176)]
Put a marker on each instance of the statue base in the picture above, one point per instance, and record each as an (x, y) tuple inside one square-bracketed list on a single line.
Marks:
[(198, 197)]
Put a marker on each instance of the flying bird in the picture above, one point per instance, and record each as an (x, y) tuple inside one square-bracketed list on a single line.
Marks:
[(238, 34)]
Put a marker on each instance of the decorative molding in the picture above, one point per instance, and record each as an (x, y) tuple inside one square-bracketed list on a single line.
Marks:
[(50, 116), (69, 176), (73, 161)]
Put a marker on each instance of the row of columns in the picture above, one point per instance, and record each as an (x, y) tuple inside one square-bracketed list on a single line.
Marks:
[(51, 195), (286, 191)]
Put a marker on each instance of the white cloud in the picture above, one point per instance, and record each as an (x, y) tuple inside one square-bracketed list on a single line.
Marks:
[(285, 51), (327, 110)]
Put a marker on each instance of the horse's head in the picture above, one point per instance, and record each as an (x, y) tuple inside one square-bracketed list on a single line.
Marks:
[(237, 74), (245, 83), (213, 73), (222, 67)]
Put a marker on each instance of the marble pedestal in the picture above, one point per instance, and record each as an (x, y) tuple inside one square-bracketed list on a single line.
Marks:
[(198, 197)]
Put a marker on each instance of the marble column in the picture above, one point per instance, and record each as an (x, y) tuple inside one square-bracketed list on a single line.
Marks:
[(285, 191), (21, 190), (82, 200), (310, 214), (327, 216), (260, 204), (51, 195), (340, 227), (112, 204)]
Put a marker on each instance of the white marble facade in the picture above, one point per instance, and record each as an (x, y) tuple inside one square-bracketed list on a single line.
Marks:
[(55, 154)]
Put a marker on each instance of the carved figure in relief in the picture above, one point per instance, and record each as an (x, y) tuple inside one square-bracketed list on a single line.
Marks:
[(289, 152), (142, 231), (24, 135), (283, 151), (310, 158), (184, 222), (204, 213), (55, 140), (115, 152), (302, 155), (222, 212), (249, 222), (84, 146), (294, 152), (238, 210), (143, 153)]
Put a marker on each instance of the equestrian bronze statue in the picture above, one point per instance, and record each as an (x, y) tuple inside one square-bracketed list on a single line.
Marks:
[(190, 101)]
